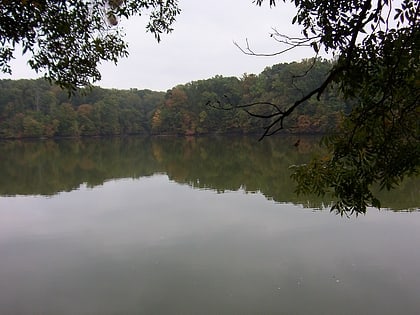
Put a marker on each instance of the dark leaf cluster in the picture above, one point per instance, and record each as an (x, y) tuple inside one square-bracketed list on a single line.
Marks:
[(67, 40), (376, 48)]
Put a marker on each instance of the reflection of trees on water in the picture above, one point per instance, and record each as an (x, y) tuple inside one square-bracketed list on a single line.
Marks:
[(220, 164)]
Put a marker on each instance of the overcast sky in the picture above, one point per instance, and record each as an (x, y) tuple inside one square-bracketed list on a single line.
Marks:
[(200, 47)]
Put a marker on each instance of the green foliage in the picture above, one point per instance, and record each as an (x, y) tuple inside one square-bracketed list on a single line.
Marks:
[(194, 108), (184, 110), (376, 48), (33, 109), (68, 39)]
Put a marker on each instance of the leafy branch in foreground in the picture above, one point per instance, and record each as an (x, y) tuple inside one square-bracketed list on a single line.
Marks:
[(376, 49), (67, 40)]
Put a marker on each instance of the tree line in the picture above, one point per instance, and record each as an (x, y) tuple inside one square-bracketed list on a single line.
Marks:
[(35, 108)]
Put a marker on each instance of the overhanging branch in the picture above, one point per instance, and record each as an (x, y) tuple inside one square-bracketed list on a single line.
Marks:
[(277, 114)]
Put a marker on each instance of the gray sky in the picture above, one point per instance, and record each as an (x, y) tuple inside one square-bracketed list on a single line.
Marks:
[(200, 47)]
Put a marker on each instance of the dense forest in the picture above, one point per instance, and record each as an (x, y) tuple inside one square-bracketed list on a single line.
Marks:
[(34, 108)]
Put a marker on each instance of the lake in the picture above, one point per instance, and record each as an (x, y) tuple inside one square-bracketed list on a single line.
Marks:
[(193, 226)]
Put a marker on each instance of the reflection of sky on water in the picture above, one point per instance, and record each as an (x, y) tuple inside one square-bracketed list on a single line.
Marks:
[(153, 246)]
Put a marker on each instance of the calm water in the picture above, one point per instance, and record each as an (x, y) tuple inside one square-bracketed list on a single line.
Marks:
[(198, 226)]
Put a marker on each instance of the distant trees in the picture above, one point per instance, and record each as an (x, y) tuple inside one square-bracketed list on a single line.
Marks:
[(33, 108), (195, 108)]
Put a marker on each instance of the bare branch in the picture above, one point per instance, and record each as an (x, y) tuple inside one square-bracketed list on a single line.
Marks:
[(291, 45), (285, 39), (293, 42), (279, 114)]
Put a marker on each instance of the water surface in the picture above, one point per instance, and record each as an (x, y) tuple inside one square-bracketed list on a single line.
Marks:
[(165, 227)]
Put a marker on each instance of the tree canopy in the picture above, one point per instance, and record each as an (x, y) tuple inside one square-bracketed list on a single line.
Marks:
[(34, 108), (376, 49), (68, 39)]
